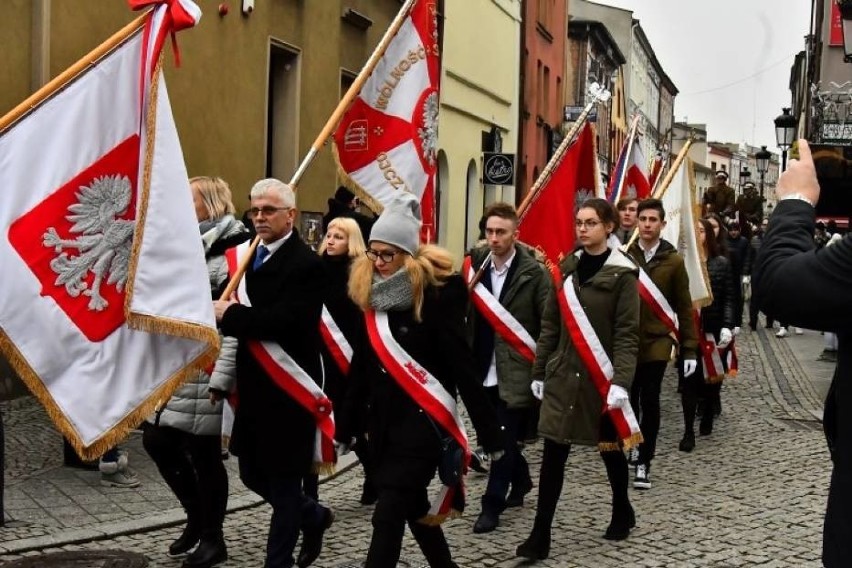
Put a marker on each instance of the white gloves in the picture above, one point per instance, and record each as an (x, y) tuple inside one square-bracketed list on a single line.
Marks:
[(725, 337), (746, 279), (537, 388), (689, 367), (617, 397), (343, 449), (736, 331)]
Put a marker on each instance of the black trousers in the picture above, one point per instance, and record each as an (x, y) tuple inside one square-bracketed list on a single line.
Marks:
[(645, 399), (694, 389), (512, 469), (192, 467), (395, 507)]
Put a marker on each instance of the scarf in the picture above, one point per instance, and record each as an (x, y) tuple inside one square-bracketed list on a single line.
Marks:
[(392, 293), (212, 230)]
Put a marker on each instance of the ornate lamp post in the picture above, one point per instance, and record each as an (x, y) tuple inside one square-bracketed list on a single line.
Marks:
[(785, 133), (846, 24), (762, 157), (744, 175)]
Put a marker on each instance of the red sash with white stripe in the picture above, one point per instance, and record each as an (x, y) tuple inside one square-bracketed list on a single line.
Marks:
[(430, 395), (335, 341), (291, 378), (498, 317), (594, 357), (654, 298), (711, 360)]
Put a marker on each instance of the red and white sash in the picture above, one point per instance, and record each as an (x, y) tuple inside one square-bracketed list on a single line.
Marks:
[(711, 359), (594, 357), (498, 317), (335, 341), (291, 378), (654, 298), (429, 394)]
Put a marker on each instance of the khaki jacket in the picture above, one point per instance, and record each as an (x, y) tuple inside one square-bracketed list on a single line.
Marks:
[(668, 272), (571, 407)]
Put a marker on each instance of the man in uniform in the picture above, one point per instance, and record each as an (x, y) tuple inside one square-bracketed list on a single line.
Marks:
[(750, 204), (515, 280), (720, 198), (274, 435), (667, 272)]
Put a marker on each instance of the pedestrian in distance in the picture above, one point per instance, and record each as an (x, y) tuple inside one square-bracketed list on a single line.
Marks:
[(183, 437), (275, 320), (788, 270), (627, 208), (346, 204), (601, 284), (504, 323), (658, 336), (408, 376)]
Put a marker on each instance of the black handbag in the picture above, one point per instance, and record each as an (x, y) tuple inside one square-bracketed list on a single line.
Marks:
[(451, 464)]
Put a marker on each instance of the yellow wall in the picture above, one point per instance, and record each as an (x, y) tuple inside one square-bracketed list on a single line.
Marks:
[(479, 88)]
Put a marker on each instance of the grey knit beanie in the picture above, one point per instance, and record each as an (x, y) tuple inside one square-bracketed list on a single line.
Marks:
[(399, 223)]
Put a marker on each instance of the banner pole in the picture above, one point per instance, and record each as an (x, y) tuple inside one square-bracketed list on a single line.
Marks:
[(631, 139)]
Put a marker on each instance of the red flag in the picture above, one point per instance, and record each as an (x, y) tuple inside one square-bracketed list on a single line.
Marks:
[(635, 179), (656, 168), (387, 140), (547, 223)]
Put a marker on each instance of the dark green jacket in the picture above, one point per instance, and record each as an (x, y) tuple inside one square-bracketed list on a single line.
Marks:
[(524, 295), (668, 272), (571, 407)]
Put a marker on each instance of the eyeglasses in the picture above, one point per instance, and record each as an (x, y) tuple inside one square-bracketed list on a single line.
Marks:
[(386, 257), (589, 223), (267, 210)]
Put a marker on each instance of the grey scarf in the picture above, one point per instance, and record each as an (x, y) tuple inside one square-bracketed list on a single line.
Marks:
[(392, 293)]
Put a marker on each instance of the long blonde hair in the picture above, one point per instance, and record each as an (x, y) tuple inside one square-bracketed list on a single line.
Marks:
[(429, 266), (350, 227), (215, 194)]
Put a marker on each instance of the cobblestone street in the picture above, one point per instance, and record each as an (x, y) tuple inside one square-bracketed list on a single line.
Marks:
[(751, 494)]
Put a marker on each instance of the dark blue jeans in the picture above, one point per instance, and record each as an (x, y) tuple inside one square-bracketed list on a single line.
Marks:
[(512, 468), (291, 509)]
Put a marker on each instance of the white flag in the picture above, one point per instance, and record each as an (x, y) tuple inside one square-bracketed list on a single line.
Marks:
[(104, 308), (680, 230)]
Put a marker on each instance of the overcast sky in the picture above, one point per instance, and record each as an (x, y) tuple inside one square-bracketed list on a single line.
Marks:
[(730, 59)]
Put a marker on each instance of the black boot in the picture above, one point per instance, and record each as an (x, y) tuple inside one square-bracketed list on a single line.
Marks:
[(368, 493), (705, 428), (210, 552), (687, 443), (186, 541), (489, 519), (518, 492), (537, 545), (623, 519), (433, 545)]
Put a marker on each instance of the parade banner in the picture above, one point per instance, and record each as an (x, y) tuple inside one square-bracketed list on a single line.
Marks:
[(547, 223), (102, 310), (387, 140), (680, 230), (629, 178)]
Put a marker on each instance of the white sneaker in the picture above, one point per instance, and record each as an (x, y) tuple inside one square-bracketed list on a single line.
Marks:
[(126, 479), (799, 331), (643, 477), (781, 332)]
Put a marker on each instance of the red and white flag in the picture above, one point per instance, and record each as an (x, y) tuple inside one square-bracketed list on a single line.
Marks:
[(387, 140), (547, 222), (102, 309), (634, 171)]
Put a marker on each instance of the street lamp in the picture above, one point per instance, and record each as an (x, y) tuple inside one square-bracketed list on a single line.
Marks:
[(846, 25), (785, 132), (762, 157), (744, 175)]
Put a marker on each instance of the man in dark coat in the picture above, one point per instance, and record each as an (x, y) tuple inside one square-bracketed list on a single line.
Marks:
[(738, 251), (273, 434), (344, 204), (788, 271), (750, 204), (720, 198)]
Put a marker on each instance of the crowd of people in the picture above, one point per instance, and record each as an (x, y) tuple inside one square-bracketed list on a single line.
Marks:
[(383, 330)]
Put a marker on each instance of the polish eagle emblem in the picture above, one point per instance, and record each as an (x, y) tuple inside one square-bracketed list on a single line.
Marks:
[(104, 242)]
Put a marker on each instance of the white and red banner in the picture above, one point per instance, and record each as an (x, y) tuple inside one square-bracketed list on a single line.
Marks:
[(680, 230), (547, 223), (630, 176), (430, 395), (104, 309), (387, 140), (289, 376), (594, 357), (498, 317)]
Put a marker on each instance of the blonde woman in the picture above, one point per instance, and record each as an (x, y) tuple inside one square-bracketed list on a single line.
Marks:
[(407, 375)]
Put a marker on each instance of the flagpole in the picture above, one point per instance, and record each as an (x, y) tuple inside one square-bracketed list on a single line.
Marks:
[(66, 76), (630, 140), (661, 190), (330, 125)]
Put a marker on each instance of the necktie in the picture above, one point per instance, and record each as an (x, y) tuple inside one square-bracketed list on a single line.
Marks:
[(262, 253)]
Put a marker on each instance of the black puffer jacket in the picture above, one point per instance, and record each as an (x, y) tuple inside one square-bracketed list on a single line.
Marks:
[(720, 313)]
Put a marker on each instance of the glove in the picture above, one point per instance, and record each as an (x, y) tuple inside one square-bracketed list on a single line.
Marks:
[(689, 367), (736, 331), (537, 388), (617, 397), (725, 337), (342, 449), (746, 279)]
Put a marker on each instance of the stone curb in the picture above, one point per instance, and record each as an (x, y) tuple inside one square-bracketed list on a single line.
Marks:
[(160, 519)]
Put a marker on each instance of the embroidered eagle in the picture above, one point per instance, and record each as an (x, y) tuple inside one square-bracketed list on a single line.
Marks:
[(104, 243)]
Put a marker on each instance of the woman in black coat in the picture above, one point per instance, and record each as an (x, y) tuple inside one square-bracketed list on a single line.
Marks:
[(716, 319), (414, 287)]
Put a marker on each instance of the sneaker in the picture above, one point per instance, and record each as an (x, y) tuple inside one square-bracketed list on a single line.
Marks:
[(829, 355), (782, 332), (643, 477), (633, 456), (126, 479), (798, 331), (479, 460)]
